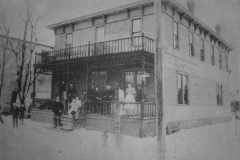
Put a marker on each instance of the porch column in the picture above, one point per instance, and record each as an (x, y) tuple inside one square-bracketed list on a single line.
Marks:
[(143, 86), (66, 103), (87, 78)]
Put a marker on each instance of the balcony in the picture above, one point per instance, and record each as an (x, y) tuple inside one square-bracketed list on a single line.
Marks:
[(118, 46)]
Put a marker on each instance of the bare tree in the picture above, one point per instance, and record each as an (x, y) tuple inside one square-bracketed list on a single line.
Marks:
[(5, 56), (23, 51)]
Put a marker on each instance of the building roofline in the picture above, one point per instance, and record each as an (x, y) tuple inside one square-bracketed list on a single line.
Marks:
[(144, 2), (105, 12), (18, 39)]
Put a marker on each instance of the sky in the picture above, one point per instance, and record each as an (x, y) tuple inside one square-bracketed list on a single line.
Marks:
[(211, 12)]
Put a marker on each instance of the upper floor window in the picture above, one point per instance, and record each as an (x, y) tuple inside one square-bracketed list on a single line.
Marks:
[(136, 27), (202, 56), (68, 40), (175, 35), (220, 59), (191, 47), (226, 59), (182, 89), (212, 56), (100, 34), (219, 95)]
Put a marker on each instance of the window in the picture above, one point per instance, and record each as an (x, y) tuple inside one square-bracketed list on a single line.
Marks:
[(136, 32), (175, 35), (202, 56), (212, 56), (68, 40), (219, 95), (226, 59), (220, 59), (182, 89), (100, 34), (191, 48), (136, 27)]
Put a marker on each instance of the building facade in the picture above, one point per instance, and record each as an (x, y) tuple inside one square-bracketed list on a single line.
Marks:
[(116, 46), (11, 69)]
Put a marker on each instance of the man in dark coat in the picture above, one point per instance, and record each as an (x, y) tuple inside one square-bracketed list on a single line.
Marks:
[(95, 99), (15, 113), (109, 95), (92, 92), (58, 111), (71, 93)]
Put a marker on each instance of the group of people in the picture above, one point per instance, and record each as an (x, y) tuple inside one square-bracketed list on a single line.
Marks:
[(110, 94), (17, 112)]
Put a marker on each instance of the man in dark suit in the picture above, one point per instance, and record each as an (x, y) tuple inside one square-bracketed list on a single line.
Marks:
[(58, 111), (109, 95), (15, 113)]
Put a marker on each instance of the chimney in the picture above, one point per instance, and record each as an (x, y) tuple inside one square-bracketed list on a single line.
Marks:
[(218, 30), (191, 6)]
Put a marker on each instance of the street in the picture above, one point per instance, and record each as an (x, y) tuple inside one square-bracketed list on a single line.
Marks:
[(38, 141)]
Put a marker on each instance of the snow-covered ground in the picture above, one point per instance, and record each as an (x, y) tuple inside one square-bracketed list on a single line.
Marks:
[(38, 141)]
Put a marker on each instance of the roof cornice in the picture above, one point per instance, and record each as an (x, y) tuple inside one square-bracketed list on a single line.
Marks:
[(125, 8)]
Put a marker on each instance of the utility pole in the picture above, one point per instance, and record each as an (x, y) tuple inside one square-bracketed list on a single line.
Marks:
[(160, 120)]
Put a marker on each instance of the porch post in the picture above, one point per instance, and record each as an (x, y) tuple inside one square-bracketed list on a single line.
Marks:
[(66, 104), (159, 88), (143, 86), (87, 77)]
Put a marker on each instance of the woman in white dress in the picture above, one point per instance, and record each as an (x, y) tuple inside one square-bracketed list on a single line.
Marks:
[(130, 97), (72, 111)]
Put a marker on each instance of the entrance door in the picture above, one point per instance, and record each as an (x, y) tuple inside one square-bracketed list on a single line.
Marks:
[(99, 78)]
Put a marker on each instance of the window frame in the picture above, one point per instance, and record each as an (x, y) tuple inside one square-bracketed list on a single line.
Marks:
[(140, 23), (202, 52), (226, 61), (219, 94), (212, 55), (176, 36), (220, 58), (183, 91), (69, 45), (191, 44)]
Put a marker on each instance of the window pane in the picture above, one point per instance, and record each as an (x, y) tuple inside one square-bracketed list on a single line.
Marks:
[(175, 26), (69, 39), (191, 38), (129, 77), (185, 89), (180, 91), (100, 34), (136, 25)]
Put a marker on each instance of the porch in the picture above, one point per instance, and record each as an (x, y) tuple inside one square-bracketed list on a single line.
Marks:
[(115, 63), (134, 119)]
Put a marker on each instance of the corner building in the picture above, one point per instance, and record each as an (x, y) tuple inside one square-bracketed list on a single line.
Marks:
[(116, 46)]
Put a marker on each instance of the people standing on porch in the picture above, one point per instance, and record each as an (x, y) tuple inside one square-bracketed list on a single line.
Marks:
[(58, 111), (71, 92), (96, 98), (15, 113), (72, 111), (130, 93), (130, 97), (139, 94), (79, 104), (22, 110), (109, 95), (121, 99), (92, 92)]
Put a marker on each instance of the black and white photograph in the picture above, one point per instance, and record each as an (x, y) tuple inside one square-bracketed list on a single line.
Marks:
[(119, 79)]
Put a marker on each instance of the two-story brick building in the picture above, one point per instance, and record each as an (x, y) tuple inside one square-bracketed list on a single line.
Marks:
[(116, 46)]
